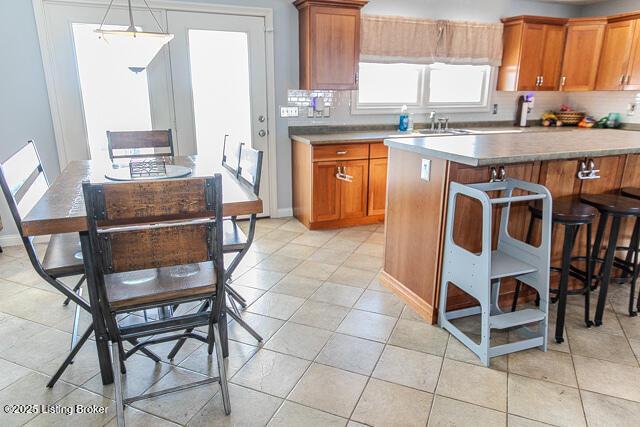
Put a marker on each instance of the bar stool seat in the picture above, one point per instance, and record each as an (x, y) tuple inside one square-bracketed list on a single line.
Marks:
[(617, 207), (632, 192), (567, 210), (613, 204), (571, 213)]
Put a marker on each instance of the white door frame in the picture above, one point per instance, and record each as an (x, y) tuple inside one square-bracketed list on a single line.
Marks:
[(168, 5)]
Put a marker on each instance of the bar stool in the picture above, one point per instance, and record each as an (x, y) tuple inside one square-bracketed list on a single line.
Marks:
[(572, 214), (617, 207), (632, 253)]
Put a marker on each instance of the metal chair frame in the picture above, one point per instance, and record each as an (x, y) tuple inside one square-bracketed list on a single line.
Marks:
[(100, 263)]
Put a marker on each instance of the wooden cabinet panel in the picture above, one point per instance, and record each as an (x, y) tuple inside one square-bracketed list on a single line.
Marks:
[(532, 51), (560, 177), (341, 152), (326, 192), (614, 61), (582, 55), (611, 170), (353, 194), (377, 185), (329, 42), (551, 62), (378, 151), (633, 73)]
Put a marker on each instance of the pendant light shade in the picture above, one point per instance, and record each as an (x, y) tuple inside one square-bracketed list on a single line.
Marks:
[(136, 48)]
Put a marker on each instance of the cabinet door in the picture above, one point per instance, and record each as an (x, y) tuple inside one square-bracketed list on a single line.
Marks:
[(581, 57), (326, 192), (377, 186), (335, 47), (353, 194), (530, 56), (633, 74), (551, 62), (614, 60)]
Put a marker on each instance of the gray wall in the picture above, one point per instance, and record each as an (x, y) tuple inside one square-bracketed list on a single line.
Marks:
[(610, 7), (24, 107)]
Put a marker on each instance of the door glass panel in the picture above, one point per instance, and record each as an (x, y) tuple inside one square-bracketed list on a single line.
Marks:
[(219, 62), (114, 97)]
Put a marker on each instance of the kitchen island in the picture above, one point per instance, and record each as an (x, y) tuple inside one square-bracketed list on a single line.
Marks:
[(416, 207)]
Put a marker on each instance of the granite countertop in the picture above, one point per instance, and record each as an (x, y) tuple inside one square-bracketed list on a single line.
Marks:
[(360, 136), (492, 149)]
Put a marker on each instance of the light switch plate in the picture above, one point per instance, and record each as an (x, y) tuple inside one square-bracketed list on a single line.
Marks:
[(425, 170), (288, 111)]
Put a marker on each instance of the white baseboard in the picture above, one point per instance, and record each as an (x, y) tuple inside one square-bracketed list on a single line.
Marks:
[(7, 240), (283, 213)]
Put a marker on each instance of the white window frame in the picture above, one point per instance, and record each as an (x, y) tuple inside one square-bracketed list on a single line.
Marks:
[(424, 106)]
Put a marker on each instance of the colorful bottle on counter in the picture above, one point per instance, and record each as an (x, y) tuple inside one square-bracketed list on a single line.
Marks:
[(404, 119)]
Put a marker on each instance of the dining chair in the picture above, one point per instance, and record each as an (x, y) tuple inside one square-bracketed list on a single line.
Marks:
[(23, 183), (166, 237), (144, 143), (230, 156), (235, 241)]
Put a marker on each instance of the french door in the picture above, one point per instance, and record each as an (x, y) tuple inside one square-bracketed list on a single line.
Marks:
[(218, 65), (208, 82)]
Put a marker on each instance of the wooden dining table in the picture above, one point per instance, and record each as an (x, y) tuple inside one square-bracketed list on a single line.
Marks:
[(61, 210)]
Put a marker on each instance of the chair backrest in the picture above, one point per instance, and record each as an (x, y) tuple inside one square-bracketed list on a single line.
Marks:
[(230, 155), (144, 143), (23, 181), (153, 224), (250, 167)]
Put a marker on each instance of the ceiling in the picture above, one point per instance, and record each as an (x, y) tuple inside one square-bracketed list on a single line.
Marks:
[(576, 2)]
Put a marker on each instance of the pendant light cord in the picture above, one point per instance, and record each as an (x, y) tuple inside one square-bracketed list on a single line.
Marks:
[(104, 18)]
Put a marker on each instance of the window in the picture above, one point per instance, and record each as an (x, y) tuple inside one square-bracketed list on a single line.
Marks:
[(384, 88)]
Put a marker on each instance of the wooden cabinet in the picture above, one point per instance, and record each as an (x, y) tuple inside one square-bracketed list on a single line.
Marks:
[(582, 54), (326, 198), (329, 38), (532, 53), (633, 72), (339, 185), (377, 186), (616, 61)]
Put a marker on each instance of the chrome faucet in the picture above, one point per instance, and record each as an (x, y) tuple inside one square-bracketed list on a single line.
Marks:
[(432, 117)]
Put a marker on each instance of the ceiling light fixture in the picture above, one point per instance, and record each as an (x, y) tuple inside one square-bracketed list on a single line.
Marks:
[(137, 47)]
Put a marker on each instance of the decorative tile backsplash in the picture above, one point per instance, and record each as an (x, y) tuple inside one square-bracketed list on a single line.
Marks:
[(303, 98)]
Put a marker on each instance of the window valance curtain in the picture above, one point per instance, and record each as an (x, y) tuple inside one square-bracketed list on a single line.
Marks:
[(391, 39)]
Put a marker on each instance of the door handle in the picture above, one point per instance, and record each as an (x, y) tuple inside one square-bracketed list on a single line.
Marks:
[(261, 119), (541, 80), (262, 133), (622, 77), (563, 81)]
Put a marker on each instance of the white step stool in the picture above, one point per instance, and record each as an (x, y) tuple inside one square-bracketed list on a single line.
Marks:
[(479, 274)]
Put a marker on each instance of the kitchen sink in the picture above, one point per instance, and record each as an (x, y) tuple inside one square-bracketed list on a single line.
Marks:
[(452, 132)]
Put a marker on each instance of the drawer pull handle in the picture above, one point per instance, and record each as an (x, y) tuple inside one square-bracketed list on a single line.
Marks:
[(341, 153)]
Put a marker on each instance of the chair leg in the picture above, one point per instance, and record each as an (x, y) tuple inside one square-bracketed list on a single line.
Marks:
[(569, 234), (117, 379), (633, 247), (76, 288), (224, 387), (178, 345), (607, 267), (233, 294), (589, 279), (597, 245), (70, 357), (244, 325)]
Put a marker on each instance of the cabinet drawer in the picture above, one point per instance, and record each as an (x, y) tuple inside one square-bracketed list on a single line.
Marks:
[(341, 152), (379, 151)]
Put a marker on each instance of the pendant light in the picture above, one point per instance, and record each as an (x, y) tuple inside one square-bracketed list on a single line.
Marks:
[(136, 48)]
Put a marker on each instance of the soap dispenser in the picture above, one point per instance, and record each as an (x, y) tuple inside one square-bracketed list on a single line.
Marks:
[(403, 125)]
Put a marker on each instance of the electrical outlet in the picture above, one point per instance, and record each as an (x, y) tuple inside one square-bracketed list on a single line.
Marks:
[(631, 110), (288, 111), (495, 109), (425, 170)]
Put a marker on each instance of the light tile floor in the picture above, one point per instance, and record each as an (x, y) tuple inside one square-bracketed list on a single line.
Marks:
[(339, 350)]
